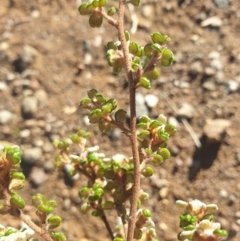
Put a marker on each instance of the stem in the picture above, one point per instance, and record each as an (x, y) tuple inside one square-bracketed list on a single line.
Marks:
[(133, 136), (105, 221)]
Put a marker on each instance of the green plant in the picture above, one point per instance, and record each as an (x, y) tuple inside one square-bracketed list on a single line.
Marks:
[(113, 183)]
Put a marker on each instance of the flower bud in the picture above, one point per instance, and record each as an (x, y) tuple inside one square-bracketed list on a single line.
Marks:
[(170, 129), (92, 93), (85, 208), (102, 3), (108, 205), (107, 109), (95, 21), (148, 50), (162, 135), (167, 57), (57, 236), (83, 10), (96, 3), (86, 103), (17, 201), (142, 125), (143, 134), (111, 11), (84, 192), (111, 45), (133, 47), (97, 213), (113, 102), (127, 35), (135, 2), (137, 233), (154, 124), (37, 199), (152, 74), (147, 171), (146, 213), (95, 116), (157, 159), (104, 126), (164, 152), (145, 83), (157, 38), (145, 119), (75, 138), (120, 115), (54, 221), (99, 99)]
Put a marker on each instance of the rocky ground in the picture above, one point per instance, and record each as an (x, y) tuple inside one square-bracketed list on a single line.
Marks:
[(49, 58)]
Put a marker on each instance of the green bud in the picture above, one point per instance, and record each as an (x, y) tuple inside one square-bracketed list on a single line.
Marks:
[(108, 205), (97, 213), (137, 233), (54, 221), (120, 115), (18, 175), (84, 192), (113, 102), (157, 38), (143, 134), (107, 108), (133, 47), (9, 232), (111, 11), (154, 124), (164, 136), (83, 10), (14, 155), (140, 51), (189, 227), (145, 83), (167, 57), (157, 47), (162, 119), (135, 2), (98, 193), (57, 236), (92, 93), (63, 145), (157, 159), (152, 74), (86, 103), (99, 99), (220, 232), (96, 3), (164, 152), (45, 209), (17, 201), (147, 171), (17, 182), (102, 3), (145, 119), (95, 21), (142, 125), (37, 199), (90, 7), (117, 68), (85, 208), (75, 138), (104, 126), (148, 50), (146, 213), (111, 45), (95, 116), (127, 35), (170, 129), (118, 239)]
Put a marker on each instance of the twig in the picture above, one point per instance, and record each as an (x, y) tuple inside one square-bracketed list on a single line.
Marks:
[(133, 137)]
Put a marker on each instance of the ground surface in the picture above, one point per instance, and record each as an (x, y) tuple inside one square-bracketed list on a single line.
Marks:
[(69, 59)]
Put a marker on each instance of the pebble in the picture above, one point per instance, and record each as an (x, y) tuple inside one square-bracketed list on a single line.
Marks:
[(196, 68), (223, 193), (214, 55), (214, 130), (209, 85), (186, 111), (216, 64), (32, 155), (232, 86), (38, 176), (221, 3), (3, 86), (5, 116), (88, 58), (49, 166), (151, 100), (29, 106), (214, 21), (66, 204), (163, 192), (42, 97), (24, 133), (115, 134)]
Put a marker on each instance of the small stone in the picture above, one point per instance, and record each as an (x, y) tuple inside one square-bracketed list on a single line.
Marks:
[(3, 86), (85, 120), (24, 133), (49, 166), (214, 130), (223, 193), (216, 64), (186, 111), (232, 86), (214, 55), (214, 21), (5, 117), (29, 106), (87, 59), (42, 97), (115, 134), (151, 100), (67, 204), (32, 155), (196, 68), (163, 192), (221, 3), (38, 176), (209, 85)]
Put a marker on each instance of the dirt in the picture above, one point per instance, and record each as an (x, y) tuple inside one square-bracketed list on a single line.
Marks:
[(64, 41)]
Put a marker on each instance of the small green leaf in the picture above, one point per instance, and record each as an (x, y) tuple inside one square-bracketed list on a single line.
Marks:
[(127, 35), (91, 93), (157, 47), (104, 126), (96, 213), (86, 103), (148, 50), (133, 47), (17, 201), (95, 116), (146, 213), (113, 102), (57, 236), (157, 38), (143, 134)]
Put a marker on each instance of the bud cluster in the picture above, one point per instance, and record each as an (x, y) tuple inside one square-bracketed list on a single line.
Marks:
[(197, 222)]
